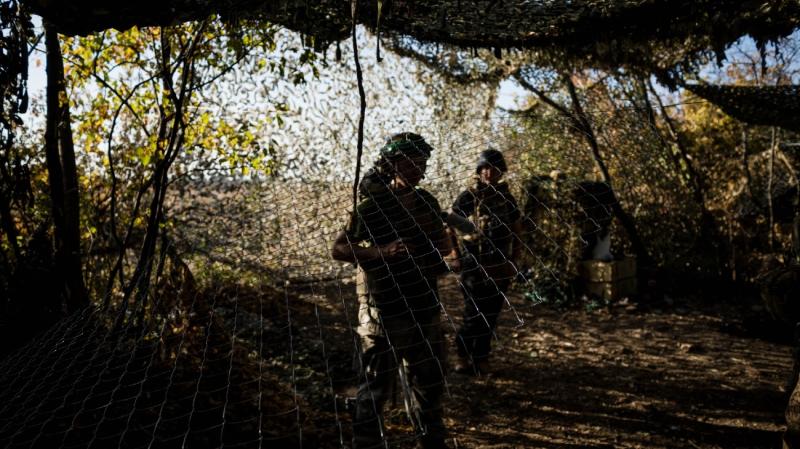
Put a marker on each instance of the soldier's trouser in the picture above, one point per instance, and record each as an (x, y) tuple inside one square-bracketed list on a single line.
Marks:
[(386, 342), (483, 300)]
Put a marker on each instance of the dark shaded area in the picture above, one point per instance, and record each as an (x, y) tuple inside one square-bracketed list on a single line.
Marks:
[(194, 379), (31, 301)]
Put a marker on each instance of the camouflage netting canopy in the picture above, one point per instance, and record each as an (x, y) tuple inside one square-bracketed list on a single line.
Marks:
[(758, 105), (650, 34)]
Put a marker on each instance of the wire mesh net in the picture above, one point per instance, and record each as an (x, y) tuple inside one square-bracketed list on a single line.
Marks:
[(253, 336), (269, 362)]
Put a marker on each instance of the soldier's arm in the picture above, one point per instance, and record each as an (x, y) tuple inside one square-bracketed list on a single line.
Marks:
[(452, 256), (448, 249), (346, 250), (439, 234), (444, 241), (464, 205)]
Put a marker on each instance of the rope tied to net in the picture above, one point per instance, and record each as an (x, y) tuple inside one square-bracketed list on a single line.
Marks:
[(363, 107)]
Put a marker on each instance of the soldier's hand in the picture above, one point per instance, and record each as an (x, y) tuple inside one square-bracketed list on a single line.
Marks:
[(393, 250), (454, 264), (453, 261)]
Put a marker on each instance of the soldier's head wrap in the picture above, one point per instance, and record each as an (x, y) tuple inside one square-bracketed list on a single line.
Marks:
[(405, 144), (491, 158), (380, 175)]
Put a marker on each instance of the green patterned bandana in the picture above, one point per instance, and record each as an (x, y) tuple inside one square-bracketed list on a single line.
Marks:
[(409, 145)]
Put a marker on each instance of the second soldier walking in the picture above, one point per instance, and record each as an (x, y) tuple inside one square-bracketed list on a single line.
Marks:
[(488, 261)]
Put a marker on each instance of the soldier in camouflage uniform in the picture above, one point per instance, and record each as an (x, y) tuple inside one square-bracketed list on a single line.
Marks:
[(397, 237), (488, 262)]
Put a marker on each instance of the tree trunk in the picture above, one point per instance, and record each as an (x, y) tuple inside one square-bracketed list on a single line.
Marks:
[(746, 163), (770, 184), (695, 181), (171, 132), (7, 220), (63, 177), (708, 234), (625, 220)]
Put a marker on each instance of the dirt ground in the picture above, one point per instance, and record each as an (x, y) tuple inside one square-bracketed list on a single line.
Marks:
[(677, 375), (272, 367)]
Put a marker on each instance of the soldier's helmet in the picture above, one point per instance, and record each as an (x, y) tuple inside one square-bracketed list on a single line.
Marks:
[(491, 158)]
